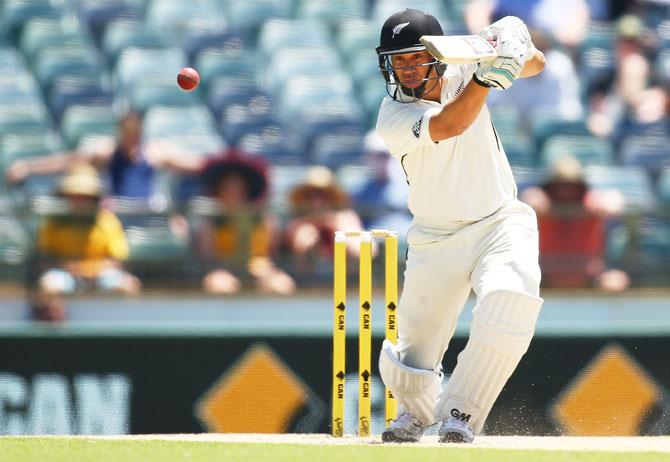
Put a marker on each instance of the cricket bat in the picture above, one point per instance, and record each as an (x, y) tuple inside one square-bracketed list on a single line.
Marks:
[(459, 49)]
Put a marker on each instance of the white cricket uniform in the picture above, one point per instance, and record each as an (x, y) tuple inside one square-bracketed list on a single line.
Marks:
[(469, 232)]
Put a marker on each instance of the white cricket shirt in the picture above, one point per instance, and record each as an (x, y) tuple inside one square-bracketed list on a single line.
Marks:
[(461, 179)]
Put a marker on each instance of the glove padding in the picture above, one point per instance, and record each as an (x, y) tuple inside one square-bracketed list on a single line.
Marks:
[(504, 70), (491, 32)]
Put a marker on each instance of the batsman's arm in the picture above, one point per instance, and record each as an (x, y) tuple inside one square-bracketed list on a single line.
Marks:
[(534, 65), (456, 116)]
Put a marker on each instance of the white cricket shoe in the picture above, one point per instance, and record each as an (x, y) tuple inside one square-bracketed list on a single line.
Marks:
[(404, 429), (453, 430)]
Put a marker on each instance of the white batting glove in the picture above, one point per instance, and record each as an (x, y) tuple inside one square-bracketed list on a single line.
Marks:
[(512, 23), (504, 70)]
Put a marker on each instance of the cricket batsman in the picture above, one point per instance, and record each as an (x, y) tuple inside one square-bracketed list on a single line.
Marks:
[(469, 229)]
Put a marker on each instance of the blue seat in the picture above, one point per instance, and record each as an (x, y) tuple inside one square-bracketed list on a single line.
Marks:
[(356, 34), (599, 35), (72, 90), (545, 125), (40, 33), (54, 61), (292, 62), (212, 63), (275, 144), (123, 33), (319, 124), (596, 65), (147, 93), (28, 144), (16, 13), (332, 13), (180, 17), (79, 121), (224, 91), (525, 177), (642, 248), (589, 150), (250, 15), (337, 149), (196, 41), (275, 34), (97, 14), (652, 153), (162, 121), (137, 64), (633, 183), (240, 119), (519, 149), (664, 187)]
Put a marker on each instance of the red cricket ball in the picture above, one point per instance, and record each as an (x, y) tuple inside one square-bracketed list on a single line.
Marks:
[(188, 79)]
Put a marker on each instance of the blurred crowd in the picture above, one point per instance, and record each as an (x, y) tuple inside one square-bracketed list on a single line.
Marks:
[(122, 182)]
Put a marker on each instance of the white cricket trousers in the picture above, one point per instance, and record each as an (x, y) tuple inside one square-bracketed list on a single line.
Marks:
[(498, 253)]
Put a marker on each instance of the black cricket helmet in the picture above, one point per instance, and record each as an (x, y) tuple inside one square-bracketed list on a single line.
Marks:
[(400, 34)]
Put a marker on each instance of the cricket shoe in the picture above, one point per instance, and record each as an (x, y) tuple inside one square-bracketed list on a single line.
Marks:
[(404, 429), (453, 430)]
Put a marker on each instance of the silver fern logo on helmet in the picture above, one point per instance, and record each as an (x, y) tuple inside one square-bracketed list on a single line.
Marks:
[(397, 29)]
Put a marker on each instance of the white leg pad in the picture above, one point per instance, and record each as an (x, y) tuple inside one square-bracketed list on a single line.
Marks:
[(415, 389), (502, 327)]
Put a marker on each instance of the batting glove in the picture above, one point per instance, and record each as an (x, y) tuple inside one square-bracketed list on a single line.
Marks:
[(504, 70), (512, 23)]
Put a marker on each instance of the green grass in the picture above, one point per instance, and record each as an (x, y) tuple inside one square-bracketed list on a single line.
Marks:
[(97, 450)]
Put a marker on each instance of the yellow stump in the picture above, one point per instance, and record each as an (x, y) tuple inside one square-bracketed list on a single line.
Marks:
[(391, 283), (365, 335), (339, 333)]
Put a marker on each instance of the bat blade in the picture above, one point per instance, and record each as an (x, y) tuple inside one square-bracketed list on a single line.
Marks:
[(459, 49)]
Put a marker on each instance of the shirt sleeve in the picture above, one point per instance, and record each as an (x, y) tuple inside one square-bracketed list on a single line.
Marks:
[(116, 242), (466, 71), (404, 126)]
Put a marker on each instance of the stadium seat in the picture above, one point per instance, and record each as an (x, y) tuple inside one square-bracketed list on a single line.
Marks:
[(363, 65), (154, 243), (224, 91), (240, 119), (250, 15), (643, 249), (15, 13), (136, 64), (179, 16), (337, 149), (198, 40), (382, 9), (589, 150), (97, 14), (275, 34), (597, 65), (84, 120), (332, 13), (292, 62), (652, 153), (146, 94), (124, 33), (599, 35), (17, 119), (354, 35), (212, 63), (633, 183), (54, 61), (15, 246), (40, 33), (28, 144), (545, 125), (664, 187), (519, 149), (335, 96), (506, 120), (160, 121), (526, 177), (370, 94), (77, 90), (275, 144)]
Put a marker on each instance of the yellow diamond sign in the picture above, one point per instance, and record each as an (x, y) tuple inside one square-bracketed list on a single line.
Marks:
[(610, 396), (260, 394)]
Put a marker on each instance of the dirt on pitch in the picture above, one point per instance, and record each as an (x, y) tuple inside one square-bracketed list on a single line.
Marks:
[(553, 443)]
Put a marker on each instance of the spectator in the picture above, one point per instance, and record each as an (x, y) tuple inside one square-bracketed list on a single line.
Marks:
[(319, 207), (129, 161), (82, 248), (382, 200), (571, 220), (239, 236)]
